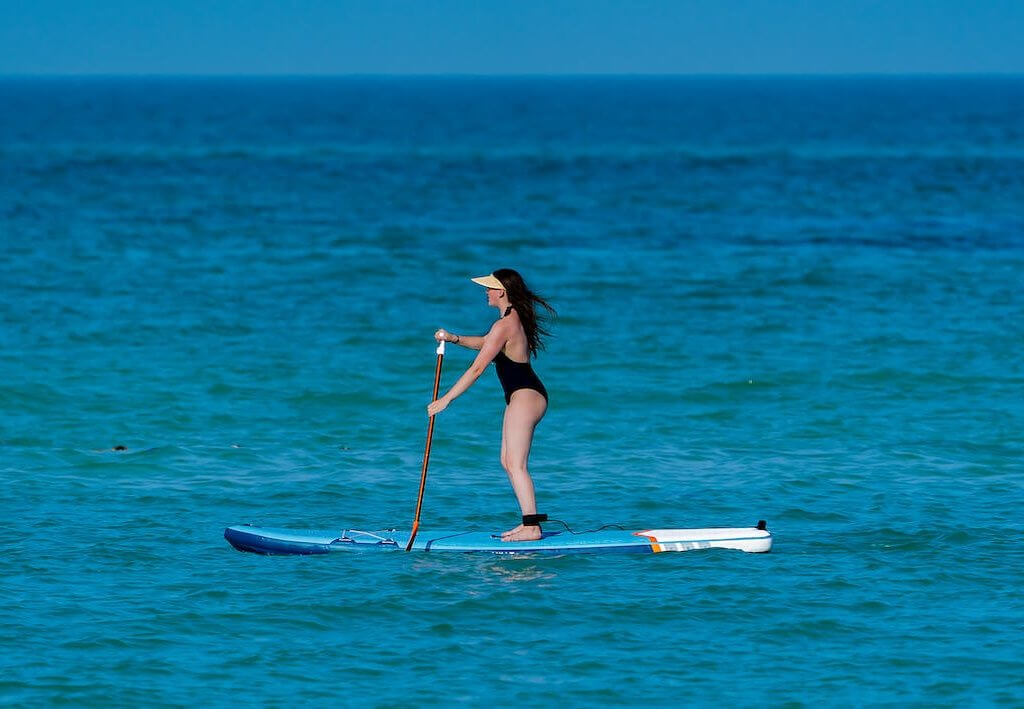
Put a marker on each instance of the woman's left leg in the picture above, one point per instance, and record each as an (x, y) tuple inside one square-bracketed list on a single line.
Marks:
[(522, 415)]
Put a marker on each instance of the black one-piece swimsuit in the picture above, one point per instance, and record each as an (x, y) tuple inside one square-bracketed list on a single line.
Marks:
[(517, 375)]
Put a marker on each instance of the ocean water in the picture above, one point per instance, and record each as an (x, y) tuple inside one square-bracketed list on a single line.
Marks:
[(791, 299)]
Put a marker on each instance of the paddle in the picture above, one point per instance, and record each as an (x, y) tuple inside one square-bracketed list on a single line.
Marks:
[(426, 454)]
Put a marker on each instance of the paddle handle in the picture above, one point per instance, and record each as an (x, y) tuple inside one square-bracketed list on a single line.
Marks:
[(426, 453)]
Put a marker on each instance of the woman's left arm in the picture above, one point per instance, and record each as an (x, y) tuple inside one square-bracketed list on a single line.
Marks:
[(493, 342)]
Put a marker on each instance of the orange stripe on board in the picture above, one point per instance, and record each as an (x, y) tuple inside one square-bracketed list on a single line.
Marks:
[(655, 547)]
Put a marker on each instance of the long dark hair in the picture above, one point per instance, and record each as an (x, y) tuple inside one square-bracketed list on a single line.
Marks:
[(525, 301)]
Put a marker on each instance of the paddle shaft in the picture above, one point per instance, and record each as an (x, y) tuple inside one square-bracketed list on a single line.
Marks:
[(426, 453)]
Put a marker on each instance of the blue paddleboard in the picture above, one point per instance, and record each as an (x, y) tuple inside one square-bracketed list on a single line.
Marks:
[(271, 540)]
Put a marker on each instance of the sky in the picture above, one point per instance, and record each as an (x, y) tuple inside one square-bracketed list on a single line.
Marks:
[(331, 37)]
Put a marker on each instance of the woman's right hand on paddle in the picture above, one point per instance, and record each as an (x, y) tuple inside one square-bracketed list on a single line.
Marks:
[(437, 406), (443, 334)]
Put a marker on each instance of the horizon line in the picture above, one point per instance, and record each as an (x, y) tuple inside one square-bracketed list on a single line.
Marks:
[(511, 75)]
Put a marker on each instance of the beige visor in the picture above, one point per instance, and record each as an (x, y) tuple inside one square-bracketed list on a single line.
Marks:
[(489, 281)]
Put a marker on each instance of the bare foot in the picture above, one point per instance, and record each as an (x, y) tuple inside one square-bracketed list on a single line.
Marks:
[(523, 534), (509, 533)]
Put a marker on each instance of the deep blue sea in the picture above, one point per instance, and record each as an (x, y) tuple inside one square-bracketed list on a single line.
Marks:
[(791, 299)]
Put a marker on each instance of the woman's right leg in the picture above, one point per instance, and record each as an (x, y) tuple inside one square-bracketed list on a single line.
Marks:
[(522, 415)]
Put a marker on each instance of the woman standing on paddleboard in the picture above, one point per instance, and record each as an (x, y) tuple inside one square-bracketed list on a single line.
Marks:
[(514, 337)]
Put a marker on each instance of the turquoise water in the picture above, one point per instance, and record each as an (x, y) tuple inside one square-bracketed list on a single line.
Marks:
[(797, 300)]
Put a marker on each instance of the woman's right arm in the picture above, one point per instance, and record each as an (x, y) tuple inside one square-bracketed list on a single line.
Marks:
[(493, 343), (471, 341)]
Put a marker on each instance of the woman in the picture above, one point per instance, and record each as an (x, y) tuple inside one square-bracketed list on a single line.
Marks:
[(510, 342)]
